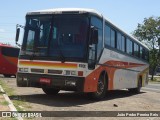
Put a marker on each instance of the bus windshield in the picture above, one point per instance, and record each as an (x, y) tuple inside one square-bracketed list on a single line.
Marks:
[(57, 37)]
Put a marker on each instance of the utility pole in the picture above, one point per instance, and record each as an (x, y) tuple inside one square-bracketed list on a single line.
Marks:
[(159, 51), (159, 46)]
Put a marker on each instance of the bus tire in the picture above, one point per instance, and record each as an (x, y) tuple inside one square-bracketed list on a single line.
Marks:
[(50, 91), (101, 89), (138, 88), (7, 75)]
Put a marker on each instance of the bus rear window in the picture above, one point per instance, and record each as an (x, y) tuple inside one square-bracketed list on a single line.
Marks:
[(10, 52)]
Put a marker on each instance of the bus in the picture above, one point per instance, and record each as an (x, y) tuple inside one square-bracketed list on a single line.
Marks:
[(8, 60), (77, 49)]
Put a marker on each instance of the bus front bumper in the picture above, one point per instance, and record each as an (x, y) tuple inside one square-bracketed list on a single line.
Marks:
[(69, 83)]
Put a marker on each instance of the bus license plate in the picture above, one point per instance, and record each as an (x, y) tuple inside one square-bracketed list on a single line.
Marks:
[(45, 80)]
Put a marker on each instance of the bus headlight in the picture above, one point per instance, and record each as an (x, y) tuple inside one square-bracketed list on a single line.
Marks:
[(68, 72), (21, 70), (25, 69), (73, 72)]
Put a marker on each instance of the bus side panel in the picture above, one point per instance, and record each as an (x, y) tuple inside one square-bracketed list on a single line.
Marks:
[(91, 80), (8, 64), (90, 84), (123, 71), (125, 79)]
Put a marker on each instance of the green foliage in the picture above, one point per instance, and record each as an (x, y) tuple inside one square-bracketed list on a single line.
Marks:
[(4, 103), (149, 33)]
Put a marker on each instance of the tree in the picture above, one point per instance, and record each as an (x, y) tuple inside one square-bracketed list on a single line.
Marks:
[(149, 33)]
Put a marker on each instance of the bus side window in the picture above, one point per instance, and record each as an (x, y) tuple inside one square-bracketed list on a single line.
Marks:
[(119, 41), (97, 22), (136, 50), (143, 53), (113, 38), (123, 44), (107, 36), (10, 52), (129, 47), (140, 51)]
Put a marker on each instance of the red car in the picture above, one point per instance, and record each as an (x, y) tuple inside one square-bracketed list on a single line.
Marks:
[(8, 60)]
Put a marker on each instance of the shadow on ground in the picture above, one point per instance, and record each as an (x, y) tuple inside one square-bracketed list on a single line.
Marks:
[(67, 99)]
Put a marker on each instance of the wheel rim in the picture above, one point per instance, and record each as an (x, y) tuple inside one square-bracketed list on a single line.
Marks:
[(100, 88)]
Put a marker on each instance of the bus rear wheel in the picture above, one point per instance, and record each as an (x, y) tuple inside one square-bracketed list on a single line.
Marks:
[(138, 88), (101, 89), (50, 91)]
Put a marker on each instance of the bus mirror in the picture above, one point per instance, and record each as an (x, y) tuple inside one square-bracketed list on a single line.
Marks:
[(91, 65), (94, 35), (17, 34)]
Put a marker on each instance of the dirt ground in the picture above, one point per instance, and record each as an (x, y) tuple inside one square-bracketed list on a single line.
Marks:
[(120, 100)]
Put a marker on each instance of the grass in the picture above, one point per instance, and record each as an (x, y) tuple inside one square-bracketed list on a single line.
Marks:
[(18, 101), (8, 90), (4, 103), (155, 80), (1, 93)]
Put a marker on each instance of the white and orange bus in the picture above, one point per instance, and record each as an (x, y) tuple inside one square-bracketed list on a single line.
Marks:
[(79, 50)]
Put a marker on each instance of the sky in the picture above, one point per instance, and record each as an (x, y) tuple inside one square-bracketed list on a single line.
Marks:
[(125, 14)]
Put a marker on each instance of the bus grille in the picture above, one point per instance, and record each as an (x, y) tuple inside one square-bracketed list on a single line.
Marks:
[(37, 70), (55, 71)]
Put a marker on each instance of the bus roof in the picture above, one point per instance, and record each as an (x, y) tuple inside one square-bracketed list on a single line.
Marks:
[(61, 10), (81, 10), (6, 45)]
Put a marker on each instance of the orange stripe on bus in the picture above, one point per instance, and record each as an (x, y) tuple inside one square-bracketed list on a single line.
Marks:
[(47, 64)]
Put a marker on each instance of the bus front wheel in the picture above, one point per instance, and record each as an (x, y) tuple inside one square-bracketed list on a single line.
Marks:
[(50, 91), (101, 89)]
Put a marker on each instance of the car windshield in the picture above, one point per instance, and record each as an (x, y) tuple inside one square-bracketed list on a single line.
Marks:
[(59, 36)]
